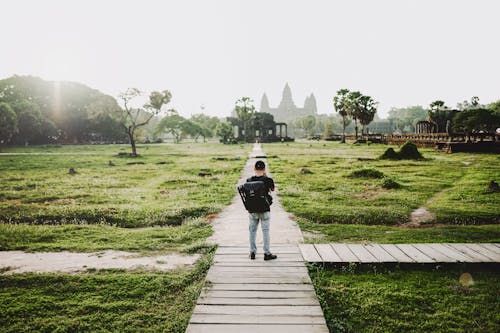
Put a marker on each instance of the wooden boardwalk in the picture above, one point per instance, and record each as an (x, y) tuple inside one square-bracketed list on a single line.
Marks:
[(244, 295), (402, 253)]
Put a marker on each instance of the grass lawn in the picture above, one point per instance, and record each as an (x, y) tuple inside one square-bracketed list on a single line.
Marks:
[(165, 185), (346, 192), (188, 237), (407, 300), (106, 301)]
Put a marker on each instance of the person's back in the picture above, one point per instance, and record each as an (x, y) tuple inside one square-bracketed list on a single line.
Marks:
[(263, 215)]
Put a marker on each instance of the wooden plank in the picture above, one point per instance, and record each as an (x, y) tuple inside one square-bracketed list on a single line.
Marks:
[(256, 294), (476, 256), (453, 253), (258, 257), (276, 276), (326, 253), (380, 253), (396, 252), (258, 310), (433, 253), (260, 263), (259, 269), (254, 328), (484, 251), (221, 279), (309, 253), (344, 252), (263, 287), (414, 253), (491, 247), (363, 254), (246, 250), (257, 301), (251, 319)]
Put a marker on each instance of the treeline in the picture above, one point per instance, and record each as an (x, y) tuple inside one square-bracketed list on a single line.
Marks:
[(466, 117), (35, 111)]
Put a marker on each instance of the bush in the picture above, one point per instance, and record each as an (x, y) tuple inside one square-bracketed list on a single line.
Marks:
[(366, 173), (390, 154), (408, 151), (388, 183)]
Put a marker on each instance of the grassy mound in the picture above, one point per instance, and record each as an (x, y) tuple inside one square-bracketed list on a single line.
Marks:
[(388, 183), (366, 173), (408, 151)]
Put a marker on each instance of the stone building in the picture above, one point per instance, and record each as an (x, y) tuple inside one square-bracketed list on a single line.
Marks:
[(287, 111), (261, 128)]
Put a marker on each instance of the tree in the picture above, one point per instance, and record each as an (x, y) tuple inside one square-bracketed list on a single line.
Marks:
[(354, 108), (341, 106), (175, 125), (406, 118), (8, 122), (307, 124), (245, 111), (207, 125), (368, 109), (481, 119), (206, 121), (473, 104), (438, 115), (328, 131), (132, 118), (29, 122), (225, 132)]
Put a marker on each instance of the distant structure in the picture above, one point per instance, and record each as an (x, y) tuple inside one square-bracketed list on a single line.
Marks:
[(261, 128), (287, 111)]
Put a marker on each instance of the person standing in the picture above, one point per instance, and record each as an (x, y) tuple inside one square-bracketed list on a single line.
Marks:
[(263, 216)]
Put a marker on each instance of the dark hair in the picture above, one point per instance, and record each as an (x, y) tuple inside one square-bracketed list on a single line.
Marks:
[(259, 165)]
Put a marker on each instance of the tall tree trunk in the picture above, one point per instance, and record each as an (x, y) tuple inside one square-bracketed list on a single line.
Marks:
[(343, 130), (132, 142), (356, 127)]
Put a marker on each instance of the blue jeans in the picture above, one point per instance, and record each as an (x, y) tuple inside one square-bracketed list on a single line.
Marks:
[(254, 219)]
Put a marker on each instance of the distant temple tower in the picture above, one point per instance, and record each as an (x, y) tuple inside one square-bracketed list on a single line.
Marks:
[(287, 110)]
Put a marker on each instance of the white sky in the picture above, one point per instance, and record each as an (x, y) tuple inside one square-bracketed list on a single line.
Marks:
[(400, 52)]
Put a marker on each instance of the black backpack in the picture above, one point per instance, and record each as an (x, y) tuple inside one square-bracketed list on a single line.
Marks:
[(255, 197)]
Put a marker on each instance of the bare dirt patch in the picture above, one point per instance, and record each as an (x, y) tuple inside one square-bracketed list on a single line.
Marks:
[(420, 217), (12, 262)]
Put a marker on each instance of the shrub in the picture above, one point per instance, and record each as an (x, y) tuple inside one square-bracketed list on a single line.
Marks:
[(388, 183), (366, 173), (390, 154), (408, 151)]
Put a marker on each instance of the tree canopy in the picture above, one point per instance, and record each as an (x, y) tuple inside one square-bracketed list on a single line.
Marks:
[(58, 112)]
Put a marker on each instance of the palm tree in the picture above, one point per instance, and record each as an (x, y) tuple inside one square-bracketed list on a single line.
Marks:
[(340, 105)]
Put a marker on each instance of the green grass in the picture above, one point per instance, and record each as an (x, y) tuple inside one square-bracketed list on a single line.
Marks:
[(452, 186), (101, 302), (407, 300), (163, 189), (87, 238)]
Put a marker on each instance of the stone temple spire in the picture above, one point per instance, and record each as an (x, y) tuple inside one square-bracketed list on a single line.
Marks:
[(264, 104), (286, 100), (310, 104)]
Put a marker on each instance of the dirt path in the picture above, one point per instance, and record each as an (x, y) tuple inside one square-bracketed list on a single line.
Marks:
[(12, 262)]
